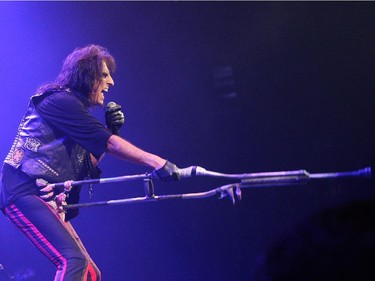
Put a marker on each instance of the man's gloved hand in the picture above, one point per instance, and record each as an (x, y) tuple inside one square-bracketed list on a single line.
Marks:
[(46, 191), (53, 196), (114, 117), (169, 172)]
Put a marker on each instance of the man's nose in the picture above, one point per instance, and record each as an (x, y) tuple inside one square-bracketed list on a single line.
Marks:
[(110, 80)]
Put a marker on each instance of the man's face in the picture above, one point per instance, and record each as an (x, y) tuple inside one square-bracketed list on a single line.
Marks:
[(101, 87)]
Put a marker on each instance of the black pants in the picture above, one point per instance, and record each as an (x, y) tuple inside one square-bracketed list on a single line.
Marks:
[(56, 239)]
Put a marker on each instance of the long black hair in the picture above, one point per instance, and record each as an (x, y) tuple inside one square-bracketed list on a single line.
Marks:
[(81, 70)]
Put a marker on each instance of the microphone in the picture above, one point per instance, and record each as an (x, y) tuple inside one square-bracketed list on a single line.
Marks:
[(111, 104), (115, 129), (192, 171)]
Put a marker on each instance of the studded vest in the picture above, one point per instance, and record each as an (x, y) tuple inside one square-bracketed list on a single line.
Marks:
[(42, 152)]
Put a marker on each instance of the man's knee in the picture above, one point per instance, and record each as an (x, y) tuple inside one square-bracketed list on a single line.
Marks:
[(82, 266)]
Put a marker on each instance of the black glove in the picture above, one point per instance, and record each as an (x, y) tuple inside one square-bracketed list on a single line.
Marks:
[(169, 172), (114, 117)]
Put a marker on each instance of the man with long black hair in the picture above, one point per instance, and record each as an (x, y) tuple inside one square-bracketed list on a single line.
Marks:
[(59, 140)]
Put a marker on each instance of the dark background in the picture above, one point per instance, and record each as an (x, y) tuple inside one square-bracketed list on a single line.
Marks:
[(298, 94)]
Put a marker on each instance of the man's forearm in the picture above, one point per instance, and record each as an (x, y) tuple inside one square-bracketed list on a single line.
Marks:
[(120, 148)]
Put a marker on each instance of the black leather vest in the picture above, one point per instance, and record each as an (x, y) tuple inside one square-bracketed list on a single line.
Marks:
[(41, 151)]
